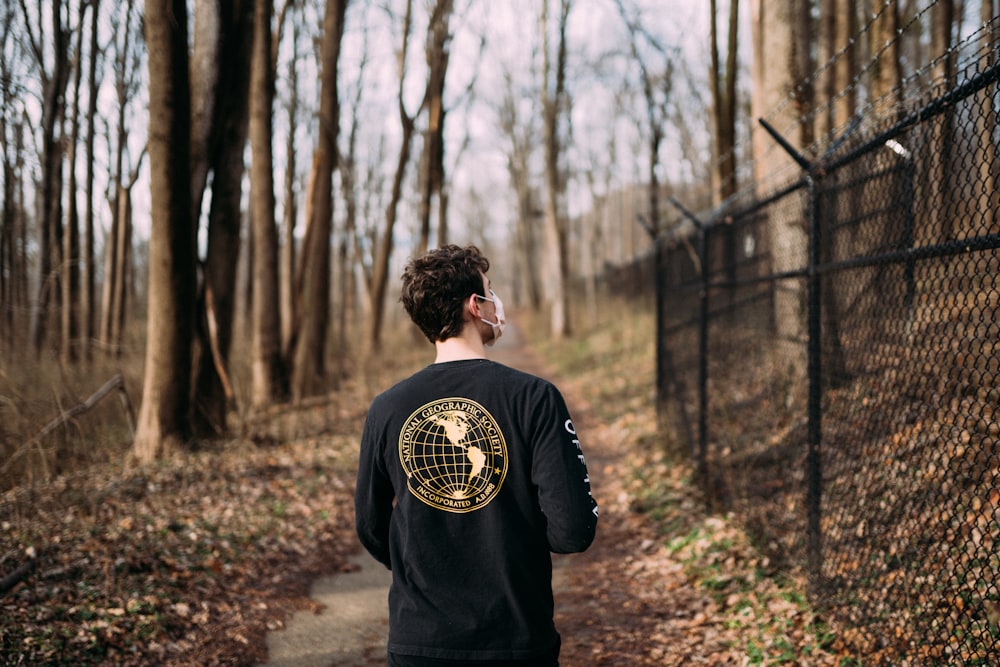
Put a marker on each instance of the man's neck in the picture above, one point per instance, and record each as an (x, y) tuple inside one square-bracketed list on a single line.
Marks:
[(468, 345)]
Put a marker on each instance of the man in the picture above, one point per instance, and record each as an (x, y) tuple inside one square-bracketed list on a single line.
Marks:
[(471, 473)]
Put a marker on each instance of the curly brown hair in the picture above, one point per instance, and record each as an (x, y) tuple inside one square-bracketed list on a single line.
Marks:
[(436, 285)]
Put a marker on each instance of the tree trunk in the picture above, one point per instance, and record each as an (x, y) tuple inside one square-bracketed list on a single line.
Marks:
[(826, 83), (432, 162), (287, 260), (986, 123), (520, 133), (941, 215), (7, 210), (208, 409), (88, 297), (18, 288), (775, 65), (556, 232), (886, 72), (227, 142), (846, 66), (164, 420), (8, 250), (70, 281), (120, 270), (108, 286), (308, 361), (268, 376), (723, 85), (348, 185), (206, 52), (724, 92), (803, 38), (13, 278), (380, 262), (118, 243), (50, 250)]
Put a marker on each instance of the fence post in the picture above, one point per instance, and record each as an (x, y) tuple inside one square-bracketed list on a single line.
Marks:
[(814, 470), (702, 453), (813, 462), (659, 279)]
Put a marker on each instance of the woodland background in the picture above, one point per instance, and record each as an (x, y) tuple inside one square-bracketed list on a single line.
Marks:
[(232, 187)]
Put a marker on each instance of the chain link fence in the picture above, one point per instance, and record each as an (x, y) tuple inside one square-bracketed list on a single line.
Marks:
[(830, 357)]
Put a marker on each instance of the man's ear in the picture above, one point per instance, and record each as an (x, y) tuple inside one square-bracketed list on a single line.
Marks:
[(473, 307)]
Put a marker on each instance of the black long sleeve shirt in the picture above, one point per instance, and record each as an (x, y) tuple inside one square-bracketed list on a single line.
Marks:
[(470, 474)]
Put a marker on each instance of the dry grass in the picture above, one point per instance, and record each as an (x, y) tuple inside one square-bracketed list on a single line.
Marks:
[(34, 392), (37, 391)]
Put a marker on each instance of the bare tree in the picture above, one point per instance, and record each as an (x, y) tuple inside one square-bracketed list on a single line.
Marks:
[(308, 363), (986, 123), (437, 51), (70, 280), (13, 241), (118, 258), (520, 133), (164, 418), (205, 54), (598, 176), (118, 246), (224, 149), (886, 70), (803, 93), (846, 27), (287, 253), (54, 81), (460, 150), (378, 278), (556, 225), (826, 35), (724, 103), (268, 375), (941, 215), (656, 85), (348, 247), (372, 206), (88, 298)]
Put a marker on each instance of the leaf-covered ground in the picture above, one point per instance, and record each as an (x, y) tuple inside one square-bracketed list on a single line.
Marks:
[(191, 562), (185, 563), (665, 583)]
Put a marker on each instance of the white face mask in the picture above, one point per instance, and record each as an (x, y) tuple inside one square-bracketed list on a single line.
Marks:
[(501, 318)]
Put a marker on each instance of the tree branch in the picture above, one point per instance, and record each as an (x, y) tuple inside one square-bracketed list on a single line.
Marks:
[(117, 382), (17, 576)]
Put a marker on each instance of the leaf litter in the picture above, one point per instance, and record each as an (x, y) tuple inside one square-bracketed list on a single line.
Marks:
[(192, 561)]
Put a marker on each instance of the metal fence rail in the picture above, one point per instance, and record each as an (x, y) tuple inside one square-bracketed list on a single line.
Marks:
[(846, 408)]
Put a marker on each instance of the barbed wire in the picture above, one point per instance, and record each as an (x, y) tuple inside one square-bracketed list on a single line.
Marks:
[(855, 83), (924, 73), (832, 61)]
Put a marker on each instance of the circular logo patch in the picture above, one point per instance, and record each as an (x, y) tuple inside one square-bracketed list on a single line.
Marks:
[(454, 455)]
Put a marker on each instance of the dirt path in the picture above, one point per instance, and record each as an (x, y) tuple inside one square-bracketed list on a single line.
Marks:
[(350, 628), (598, 613)]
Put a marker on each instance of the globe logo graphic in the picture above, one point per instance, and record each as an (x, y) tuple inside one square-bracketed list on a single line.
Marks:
[(454, 455)]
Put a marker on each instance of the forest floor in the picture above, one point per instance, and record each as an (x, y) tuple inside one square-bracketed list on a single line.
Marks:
[(206, 560)]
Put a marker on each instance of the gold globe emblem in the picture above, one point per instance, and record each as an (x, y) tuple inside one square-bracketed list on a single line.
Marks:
[(454, 455)]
